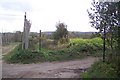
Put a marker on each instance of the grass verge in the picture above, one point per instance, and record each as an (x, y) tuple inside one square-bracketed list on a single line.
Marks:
[(17, 55), (101, 70)]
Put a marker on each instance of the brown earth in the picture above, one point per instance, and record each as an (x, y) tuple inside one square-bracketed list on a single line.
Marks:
[(66, 69)]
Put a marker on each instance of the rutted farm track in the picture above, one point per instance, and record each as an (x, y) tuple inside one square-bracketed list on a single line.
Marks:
[(66, 69)]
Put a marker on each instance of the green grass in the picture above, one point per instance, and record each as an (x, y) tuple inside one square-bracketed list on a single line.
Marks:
[(101, 70)]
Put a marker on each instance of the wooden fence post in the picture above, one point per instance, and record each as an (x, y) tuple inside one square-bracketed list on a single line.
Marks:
[(40, 41)]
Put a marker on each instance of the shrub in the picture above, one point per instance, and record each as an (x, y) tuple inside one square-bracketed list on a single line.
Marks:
[(87, 45), (23, 56)]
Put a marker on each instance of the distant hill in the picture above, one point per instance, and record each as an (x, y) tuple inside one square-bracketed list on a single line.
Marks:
[(76, 32), (70, 32)]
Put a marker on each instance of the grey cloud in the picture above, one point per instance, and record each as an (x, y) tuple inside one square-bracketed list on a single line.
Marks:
[(9, 17), (15, 5)]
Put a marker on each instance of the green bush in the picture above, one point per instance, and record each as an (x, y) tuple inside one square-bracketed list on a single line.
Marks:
[(23, 56), (86, 45)]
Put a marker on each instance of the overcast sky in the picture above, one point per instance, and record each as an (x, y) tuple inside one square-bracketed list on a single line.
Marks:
[(44, 14)]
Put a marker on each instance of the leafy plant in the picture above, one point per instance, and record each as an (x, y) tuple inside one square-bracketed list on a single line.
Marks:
[(86, 45)]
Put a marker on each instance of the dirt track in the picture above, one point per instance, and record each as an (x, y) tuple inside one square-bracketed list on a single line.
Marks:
[(67, 69), (8, 48)]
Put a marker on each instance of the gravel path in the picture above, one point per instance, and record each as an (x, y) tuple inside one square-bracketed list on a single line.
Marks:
[(66, 69)]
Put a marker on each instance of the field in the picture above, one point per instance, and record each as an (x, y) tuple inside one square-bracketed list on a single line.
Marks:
[(76, 48)]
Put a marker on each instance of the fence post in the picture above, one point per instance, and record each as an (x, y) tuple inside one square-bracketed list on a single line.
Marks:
[(104, 44), (40, 41)]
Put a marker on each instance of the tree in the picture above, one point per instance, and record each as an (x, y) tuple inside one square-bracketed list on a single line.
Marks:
[(104, 17), (61, 34), (98, 19)]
